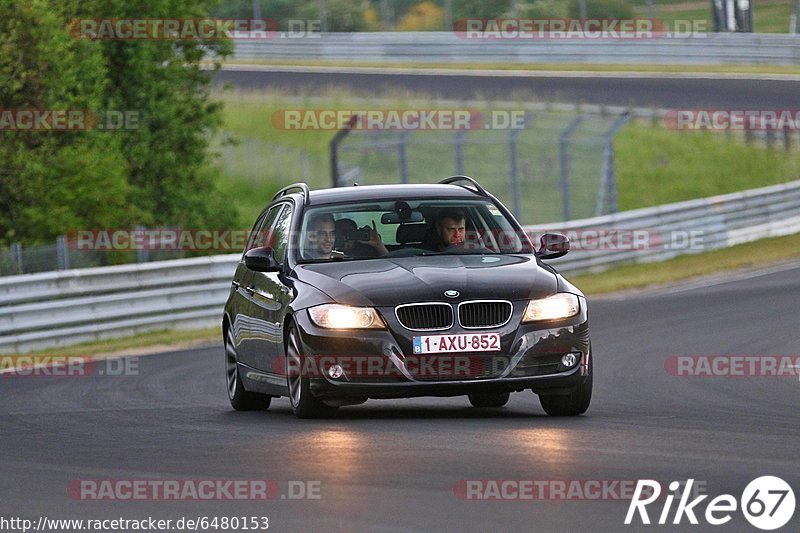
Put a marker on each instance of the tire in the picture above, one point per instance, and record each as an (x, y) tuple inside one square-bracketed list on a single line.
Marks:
[(573, 404), (304, 403), (489, 399), (241, 399)]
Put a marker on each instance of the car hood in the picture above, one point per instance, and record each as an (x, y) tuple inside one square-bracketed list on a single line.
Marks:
[(393, 281)]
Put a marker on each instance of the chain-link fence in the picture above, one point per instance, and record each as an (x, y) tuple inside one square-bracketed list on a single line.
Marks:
[(553, 166), (65, 253)]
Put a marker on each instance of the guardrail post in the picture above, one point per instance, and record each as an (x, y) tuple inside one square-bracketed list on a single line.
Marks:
[(62, 252), (16, 257), (334, 149), (563, 140)]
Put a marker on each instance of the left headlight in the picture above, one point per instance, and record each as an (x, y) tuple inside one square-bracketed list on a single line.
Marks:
[(337, 316), (561, 305)]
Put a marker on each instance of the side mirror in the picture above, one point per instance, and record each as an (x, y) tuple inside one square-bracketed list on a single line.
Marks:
[(261, 260), (553, 245)]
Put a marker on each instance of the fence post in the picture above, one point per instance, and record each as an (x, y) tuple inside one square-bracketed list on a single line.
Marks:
[(62, 253), (334, 148), (458, 148), (401, 153), (607, 195), (142, 253), (563, 140), (513, 136), (16, 257)]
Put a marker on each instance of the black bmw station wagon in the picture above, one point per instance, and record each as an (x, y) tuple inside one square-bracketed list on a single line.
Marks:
[(394, 291)]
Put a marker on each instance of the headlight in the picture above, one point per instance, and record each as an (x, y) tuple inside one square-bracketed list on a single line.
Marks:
[(336, 316), (561, 305)]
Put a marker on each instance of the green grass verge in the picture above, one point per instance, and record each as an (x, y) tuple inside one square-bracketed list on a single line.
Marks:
[(161, 338), (658, 166), (769, 16), (655, 165), (749, 255)]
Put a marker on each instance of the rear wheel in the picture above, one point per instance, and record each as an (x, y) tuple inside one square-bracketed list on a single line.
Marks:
[(572, 404), (241, 399), (304, 403), (489, 399)]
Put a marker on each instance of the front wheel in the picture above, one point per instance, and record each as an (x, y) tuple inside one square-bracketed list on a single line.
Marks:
[(241, 399), (304, 403), (573, 404)]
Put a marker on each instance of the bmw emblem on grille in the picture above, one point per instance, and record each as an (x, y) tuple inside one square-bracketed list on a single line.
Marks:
[(451, 294)]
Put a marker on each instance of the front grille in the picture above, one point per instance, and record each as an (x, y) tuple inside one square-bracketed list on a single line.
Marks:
[(484, 314), (429, 316)]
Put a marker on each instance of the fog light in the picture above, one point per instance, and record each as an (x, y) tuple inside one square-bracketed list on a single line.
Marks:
[(335, 371), (569, 360)]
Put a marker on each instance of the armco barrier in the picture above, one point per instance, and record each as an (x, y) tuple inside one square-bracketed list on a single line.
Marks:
[(445, 47), (66, 307)]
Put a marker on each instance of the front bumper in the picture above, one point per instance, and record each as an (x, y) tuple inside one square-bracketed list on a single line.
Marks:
[(529, 358)]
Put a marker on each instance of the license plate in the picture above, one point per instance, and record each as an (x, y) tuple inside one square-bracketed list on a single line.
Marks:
[(463, 342)]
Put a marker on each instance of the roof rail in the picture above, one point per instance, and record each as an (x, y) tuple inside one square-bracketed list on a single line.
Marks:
[(453, 179), (283, 192)]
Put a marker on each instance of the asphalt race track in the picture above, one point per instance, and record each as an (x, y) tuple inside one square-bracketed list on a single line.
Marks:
[(393, 465), (664, 91)]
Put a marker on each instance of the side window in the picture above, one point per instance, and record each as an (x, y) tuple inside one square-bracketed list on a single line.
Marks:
[(258, 233), (280, 234)]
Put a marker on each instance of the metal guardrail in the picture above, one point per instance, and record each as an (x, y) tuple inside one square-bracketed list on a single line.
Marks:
[(66, 307), (446, 47), (663, 232), (71, 306)]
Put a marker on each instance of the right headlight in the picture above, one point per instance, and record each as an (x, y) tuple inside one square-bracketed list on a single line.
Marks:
[(337, 316), (561, 305)]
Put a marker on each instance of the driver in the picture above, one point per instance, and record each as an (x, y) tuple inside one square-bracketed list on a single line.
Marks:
[(450, 229)]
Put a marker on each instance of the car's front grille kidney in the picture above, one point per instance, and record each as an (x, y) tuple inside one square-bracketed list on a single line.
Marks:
[(484, 314), (430, 316)]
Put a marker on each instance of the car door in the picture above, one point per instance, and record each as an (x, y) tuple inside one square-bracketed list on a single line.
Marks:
[(271, 297), (248, 325)]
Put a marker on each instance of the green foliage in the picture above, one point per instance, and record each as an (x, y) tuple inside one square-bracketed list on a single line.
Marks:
[(156, 174), (53, 181), (541, 9), (615, 9)]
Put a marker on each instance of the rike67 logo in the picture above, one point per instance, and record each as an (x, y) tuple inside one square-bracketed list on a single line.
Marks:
[(767, 503)]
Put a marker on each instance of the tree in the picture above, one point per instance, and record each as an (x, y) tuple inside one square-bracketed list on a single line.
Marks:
[(54, 181)]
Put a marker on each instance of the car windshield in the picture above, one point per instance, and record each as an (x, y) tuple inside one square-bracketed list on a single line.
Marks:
[(407, 228)]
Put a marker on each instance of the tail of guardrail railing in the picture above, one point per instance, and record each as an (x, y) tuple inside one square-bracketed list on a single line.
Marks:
[(66, 307), (662, 232), (445, 47)]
